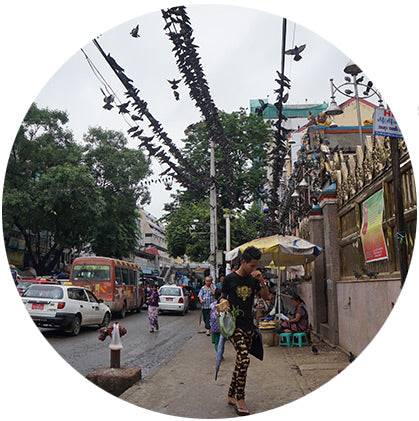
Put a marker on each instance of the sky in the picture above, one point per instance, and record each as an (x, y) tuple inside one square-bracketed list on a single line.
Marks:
[(240, 52), (39, 37)]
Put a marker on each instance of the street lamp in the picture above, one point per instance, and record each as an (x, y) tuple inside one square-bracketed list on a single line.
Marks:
[(352, 69)]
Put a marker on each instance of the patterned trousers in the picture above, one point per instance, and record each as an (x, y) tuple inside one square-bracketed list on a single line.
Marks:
[(242, 342)]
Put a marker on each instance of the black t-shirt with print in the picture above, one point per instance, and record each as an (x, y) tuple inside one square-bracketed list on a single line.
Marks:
[(240, 292)]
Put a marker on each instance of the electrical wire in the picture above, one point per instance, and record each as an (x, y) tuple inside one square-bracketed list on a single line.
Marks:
[(103, 81)]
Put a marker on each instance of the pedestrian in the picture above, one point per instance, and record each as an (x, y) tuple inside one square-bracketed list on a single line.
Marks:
[(153, 308), (215, 329), (239, 289), (206, 297), (219, 284)]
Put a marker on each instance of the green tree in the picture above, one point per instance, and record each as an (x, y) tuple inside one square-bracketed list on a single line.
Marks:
[(46, 189), (117, 171), (249, 136), (247, 226)]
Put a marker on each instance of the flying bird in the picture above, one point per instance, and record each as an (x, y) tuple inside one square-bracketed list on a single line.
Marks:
[(296, 52), (174, 83), (262, 108), (134, 32)]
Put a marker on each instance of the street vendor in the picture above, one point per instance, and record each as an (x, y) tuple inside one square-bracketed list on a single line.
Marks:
[(299, 322)]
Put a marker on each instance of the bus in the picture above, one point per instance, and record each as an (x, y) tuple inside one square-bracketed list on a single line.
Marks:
[(118, 283)]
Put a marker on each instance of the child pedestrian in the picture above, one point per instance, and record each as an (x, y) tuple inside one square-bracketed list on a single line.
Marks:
[(215, 329)]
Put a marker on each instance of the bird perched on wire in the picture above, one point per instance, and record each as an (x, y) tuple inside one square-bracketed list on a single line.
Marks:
[(123, 108), (369, 273), (357, 274), (134, 33), (108, 99), (296, 52)]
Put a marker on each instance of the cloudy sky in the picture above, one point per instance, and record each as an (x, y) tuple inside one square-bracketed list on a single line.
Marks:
[(39, 37), (240, 52)]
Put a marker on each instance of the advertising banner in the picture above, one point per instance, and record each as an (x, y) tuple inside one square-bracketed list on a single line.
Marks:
[(373, 241)]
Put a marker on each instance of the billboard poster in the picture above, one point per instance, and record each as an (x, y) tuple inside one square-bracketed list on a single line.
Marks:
[(372, 235)]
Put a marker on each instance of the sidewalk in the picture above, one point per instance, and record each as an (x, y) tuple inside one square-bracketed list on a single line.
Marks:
[(177, 387)]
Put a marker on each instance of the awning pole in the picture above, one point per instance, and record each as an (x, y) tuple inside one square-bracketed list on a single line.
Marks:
[(278, 290)]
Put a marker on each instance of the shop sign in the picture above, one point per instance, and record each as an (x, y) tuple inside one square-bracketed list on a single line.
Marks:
[(385, 124)]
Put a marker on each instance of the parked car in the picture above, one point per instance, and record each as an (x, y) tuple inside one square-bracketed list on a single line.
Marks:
[(193, 297), (23, 284), (173, 298), (65, 307)]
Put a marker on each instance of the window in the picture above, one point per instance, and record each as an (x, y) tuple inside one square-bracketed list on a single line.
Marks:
[(91, 297), (118, 276), (77, 294), (170, 291), (124, 275), (44, 291), (101, 273), (131, 280)]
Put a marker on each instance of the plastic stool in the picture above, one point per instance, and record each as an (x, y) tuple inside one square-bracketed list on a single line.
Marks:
[(287, 339), (299, 339)]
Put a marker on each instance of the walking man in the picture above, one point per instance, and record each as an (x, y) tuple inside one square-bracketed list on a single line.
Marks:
[(206, 297), (239, 289)]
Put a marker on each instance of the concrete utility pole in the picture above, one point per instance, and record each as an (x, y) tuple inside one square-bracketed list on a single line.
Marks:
[(227, 217), (213, 214)]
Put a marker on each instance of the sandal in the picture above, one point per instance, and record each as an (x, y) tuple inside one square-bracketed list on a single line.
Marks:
[(231, 402), (242, 411)]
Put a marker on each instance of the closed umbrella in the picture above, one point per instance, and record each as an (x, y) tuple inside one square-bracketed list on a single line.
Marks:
[(219, 356)]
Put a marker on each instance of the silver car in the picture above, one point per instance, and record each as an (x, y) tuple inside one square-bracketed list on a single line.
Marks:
[(65, 307), (173, 298)]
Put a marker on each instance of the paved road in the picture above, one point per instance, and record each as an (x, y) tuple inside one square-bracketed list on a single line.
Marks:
[(141, 348)]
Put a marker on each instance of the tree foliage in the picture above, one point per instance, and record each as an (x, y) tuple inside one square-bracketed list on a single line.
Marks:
[(44, 186), (249, 136), (117, 170), (78, 195)]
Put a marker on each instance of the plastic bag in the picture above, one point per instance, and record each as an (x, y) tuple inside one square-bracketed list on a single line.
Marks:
[(227, 323)]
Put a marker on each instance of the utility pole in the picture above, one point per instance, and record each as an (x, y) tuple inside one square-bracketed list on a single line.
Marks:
[(227, 217), (213, 214)]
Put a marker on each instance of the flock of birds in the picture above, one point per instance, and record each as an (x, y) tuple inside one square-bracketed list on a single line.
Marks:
[(179, 30)]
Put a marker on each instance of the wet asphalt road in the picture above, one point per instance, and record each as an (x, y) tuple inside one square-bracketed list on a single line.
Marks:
[(143, 349)]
